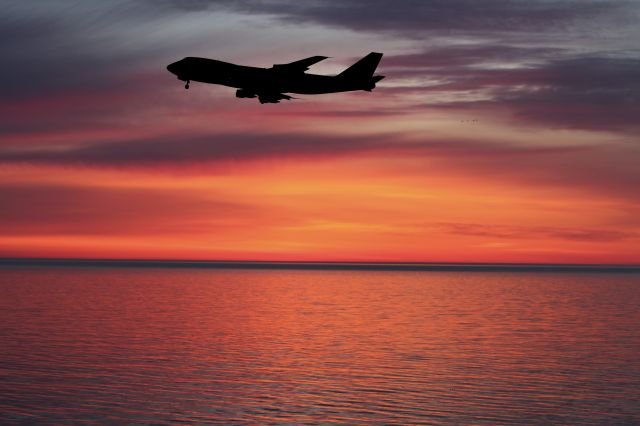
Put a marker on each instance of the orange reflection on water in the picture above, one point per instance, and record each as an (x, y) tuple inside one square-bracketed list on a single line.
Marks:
[(163, 345)]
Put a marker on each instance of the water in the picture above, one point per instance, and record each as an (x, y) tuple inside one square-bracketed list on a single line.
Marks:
[(346, 347)]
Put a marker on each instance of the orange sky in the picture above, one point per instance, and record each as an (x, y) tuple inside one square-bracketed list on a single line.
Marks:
[(459, 159)]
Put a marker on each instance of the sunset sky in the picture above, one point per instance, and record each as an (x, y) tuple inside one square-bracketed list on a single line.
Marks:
[(504, 131)]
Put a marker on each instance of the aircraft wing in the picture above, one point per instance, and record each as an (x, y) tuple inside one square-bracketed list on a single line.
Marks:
[(264, 96), (299, 66)]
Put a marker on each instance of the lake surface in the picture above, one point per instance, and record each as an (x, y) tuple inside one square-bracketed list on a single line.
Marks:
[(223, 346)]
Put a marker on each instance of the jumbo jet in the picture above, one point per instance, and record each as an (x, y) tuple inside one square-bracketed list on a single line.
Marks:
[(269, 85)]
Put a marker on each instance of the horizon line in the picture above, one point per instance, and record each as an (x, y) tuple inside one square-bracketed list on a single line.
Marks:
[(318, 265)]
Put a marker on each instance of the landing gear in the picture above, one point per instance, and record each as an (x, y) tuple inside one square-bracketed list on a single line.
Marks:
[(186, 85)]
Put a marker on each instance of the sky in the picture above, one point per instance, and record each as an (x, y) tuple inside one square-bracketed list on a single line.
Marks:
[(504, 131)]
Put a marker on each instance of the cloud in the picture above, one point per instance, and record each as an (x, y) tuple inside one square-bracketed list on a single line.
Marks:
[(590, 92), (63, 47), (95, 210), (535, 232), (608, 168), (465, 55), (595, 93), (43, 55), (196, 149), (239, 147), (414, 17)]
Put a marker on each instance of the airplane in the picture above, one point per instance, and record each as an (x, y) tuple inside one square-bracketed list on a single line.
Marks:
[(269, 85)]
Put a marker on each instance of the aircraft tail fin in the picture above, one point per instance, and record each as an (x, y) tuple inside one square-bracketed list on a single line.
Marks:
[(363, 69)]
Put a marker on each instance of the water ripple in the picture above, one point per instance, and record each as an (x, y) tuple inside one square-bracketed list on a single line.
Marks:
[(308, 347)]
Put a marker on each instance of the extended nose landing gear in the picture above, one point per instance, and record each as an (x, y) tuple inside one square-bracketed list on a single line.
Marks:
[(186, 85)]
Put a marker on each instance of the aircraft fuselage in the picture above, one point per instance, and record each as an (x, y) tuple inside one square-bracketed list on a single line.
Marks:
[(253, 78), (269, 85)]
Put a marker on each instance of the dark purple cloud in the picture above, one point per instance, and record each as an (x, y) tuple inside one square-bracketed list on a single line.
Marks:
[(42, 57), (609, 169), (467, 55), (414, 18), (238, 147), (593, 92), (584, 93), (197, 149), (56, 48)]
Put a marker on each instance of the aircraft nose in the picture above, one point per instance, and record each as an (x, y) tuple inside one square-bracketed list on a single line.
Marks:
[(173, 68)]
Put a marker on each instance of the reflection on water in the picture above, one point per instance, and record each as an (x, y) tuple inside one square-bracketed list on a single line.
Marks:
[(261, 347)]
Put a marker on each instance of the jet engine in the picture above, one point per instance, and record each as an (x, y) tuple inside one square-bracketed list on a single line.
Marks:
[(244, 93), (269, 99)]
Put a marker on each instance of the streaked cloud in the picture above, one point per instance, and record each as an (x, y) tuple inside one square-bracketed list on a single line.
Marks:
[(597, 93), (47, 209), (423, 16), (536, 232)]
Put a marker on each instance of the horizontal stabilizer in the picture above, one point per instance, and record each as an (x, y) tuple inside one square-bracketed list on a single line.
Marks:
[(299, 66)]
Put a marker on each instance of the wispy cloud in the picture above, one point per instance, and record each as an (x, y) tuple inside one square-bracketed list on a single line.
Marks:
[(245, 146), (509, 232), (411, 17), (596, 93), (98, 210), (606, 168)]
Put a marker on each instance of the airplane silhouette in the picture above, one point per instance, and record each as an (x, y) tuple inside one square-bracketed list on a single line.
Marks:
[(269, 85)]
